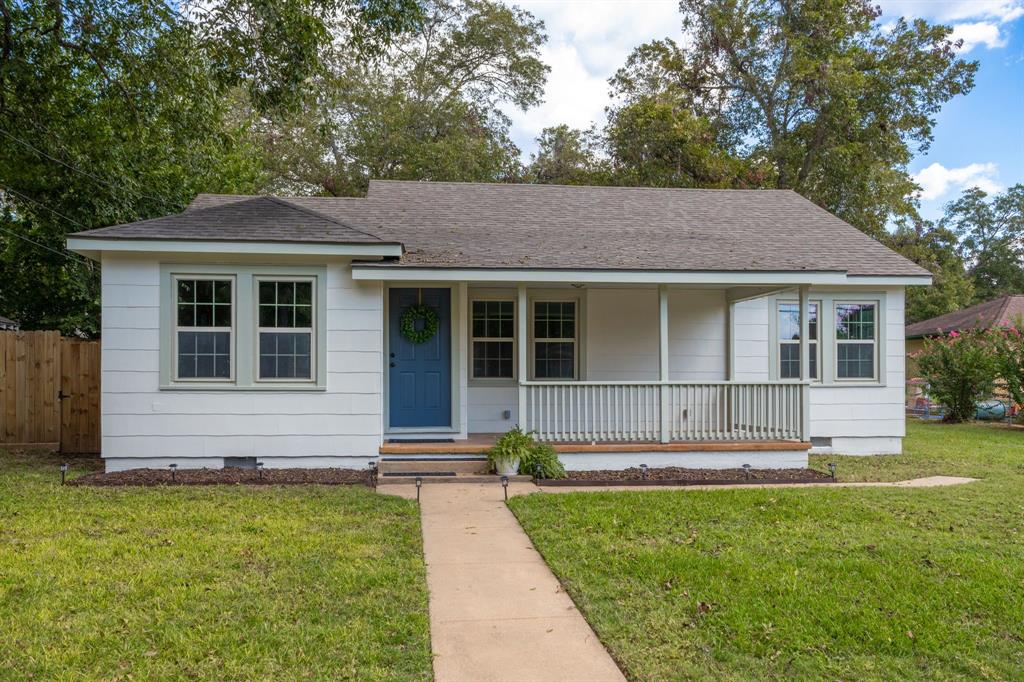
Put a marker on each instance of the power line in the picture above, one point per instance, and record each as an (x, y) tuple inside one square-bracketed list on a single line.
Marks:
[(42, 205), (66, 254), (95, 177)]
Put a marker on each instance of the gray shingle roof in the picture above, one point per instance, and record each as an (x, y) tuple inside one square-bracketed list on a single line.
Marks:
[(264, 219), (477, 225)]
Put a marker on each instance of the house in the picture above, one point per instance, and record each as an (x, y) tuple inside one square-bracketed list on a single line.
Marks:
[(702, 328), (999, 313), (8, 325)]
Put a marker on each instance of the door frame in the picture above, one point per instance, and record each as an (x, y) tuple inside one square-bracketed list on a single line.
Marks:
[(454, 425)]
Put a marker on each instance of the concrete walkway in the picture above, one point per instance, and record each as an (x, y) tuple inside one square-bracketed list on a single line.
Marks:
[(496, 610)]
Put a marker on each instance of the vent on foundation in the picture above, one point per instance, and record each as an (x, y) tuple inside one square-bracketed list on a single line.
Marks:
[(240, 462), (821, 442)]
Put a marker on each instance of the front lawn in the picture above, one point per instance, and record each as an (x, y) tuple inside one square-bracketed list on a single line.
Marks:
[(830, 583), (227, 583)]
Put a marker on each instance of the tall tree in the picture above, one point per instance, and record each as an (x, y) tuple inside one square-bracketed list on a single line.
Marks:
[(991, 232), (429, 108), (936, 249), (835, 102), (115, 111), (568, 156)]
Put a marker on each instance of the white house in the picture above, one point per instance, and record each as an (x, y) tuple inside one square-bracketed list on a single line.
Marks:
[(701, 328)]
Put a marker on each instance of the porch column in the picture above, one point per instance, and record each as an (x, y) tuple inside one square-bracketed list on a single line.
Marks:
[(666, 407), (805, 361), (521, 341)]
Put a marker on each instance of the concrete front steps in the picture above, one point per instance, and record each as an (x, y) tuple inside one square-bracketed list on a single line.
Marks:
[(437, 469)]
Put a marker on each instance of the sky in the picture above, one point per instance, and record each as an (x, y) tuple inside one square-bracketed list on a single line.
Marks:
[(979, 138)]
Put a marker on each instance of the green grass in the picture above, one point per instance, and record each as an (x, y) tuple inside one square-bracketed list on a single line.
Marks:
[(227, 583), (854, 583)]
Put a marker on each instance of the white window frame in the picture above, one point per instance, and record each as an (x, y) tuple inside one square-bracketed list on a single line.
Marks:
[(175, 327), (875, 363), (817, 341), (515, 342), (575, 340), (312, 330)]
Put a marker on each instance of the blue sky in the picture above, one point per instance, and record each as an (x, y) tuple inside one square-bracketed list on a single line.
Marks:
[(979, 139)]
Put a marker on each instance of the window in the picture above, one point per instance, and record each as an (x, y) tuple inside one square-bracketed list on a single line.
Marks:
[(789, 340), (856, 340), (554, 340), (203, 328), (492, 339), (285, 329)]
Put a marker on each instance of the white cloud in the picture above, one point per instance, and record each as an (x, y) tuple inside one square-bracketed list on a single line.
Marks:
[(937, 181), (976, 22), (587, 42)]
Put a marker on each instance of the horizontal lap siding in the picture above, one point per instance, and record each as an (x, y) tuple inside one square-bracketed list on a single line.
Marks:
[(139, 420), (486, 404)]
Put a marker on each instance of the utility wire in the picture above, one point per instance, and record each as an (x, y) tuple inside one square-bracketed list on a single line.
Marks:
[(85, 173), (66, 254), (39, 203)]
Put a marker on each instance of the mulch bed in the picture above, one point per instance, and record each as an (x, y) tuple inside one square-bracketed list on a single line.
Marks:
[(228, 476), (680, 476)]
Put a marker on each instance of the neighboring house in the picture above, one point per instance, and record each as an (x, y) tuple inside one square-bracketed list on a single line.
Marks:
[(628, 325), (9, 325), (1000, 313)]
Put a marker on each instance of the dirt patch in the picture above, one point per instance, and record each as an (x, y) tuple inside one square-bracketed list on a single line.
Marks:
[(680, 476), (230, 476)]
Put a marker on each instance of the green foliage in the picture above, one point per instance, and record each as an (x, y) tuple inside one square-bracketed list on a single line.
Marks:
[(430, 108), (960, 369), (991, 233), (533, 457), (818, 91), (808, 584), (1008, 345), (937, 250), (541, 461), (207, 583), (566, 156), (417, 313)]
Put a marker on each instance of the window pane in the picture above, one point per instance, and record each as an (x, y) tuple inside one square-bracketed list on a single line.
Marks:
[(554, 360), (304, 293), (789, 361), (204, 315), (855, 321), (789, 321), (204, 291), (222, 315), (493, 319), (813, 349), (554, 320), (186, 291), (222, 291), (267, 292), (285, 292), (204, 355), (855, 360), (186, 315), (303, 316), (285, 356), (285, 316), (493, 360), (268, 315)]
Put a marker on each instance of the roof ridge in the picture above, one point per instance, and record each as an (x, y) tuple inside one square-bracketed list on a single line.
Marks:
[(322, 216), (377, 181)]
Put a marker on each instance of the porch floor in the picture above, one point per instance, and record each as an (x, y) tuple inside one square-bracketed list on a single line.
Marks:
[(480, 443)]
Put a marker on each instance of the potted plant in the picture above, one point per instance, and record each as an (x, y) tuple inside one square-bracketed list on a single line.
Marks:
[(511, 448)]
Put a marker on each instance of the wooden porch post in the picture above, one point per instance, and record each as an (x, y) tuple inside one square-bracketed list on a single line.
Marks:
[(666, 407), (805, 361), (521, 338)]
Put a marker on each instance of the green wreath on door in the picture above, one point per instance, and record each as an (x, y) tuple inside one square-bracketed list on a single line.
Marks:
[(417, 313)]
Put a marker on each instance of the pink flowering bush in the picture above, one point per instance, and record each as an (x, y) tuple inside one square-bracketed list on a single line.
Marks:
[(1009, 350), (960, 369)]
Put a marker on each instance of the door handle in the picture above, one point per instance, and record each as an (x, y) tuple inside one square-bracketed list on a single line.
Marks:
[(392, 364), (392, 355)]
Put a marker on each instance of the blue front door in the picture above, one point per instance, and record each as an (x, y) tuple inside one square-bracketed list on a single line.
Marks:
[(420, 374)]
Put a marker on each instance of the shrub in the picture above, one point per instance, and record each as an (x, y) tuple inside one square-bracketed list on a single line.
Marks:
[(533, 457), (960, 369), (1009, 351), (542, 462)]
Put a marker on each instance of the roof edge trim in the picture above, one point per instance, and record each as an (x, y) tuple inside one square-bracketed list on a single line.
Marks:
[(93, 246)]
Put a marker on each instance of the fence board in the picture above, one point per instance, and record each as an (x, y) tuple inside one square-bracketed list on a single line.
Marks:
[(36, 369)]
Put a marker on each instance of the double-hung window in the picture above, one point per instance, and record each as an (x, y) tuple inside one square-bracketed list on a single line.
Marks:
[(493, 339), (204, 324), (284, 335), (856, 341), (789, 339), (554, 340)]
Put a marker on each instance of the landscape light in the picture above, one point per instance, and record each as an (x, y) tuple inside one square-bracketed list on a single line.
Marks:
[(746, 471), (832, 470), (419, 484), (504, 486), (259, 469), (174, 468), (63, 472), (643, 472)]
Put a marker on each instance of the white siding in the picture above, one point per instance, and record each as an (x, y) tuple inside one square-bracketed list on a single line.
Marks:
[(486, 405), (142, 422)]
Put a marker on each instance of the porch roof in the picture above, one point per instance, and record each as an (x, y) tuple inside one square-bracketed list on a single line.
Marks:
[(445, 225)]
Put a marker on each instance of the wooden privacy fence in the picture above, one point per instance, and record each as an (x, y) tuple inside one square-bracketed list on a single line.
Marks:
[(49, 392)]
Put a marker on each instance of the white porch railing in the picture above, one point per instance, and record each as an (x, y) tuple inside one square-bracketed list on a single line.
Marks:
[(614, 411)]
